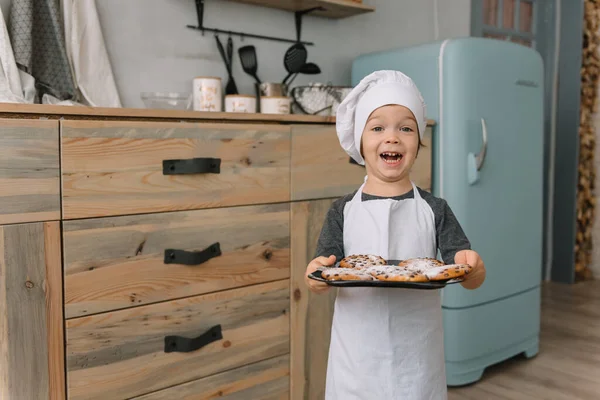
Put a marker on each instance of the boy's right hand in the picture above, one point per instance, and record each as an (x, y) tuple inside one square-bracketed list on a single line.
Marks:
[(316, 286)]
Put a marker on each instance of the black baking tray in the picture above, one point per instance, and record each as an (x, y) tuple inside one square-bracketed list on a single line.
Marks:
[(376, 283)]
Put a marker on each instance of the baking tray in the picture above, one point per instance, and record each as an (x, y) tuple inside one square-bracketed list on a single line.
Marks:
[(376, 283)]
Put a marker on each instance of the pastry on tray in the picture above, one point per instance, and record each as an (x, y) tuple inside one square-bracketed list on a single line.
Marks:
[(368, 267), (345, 274), (361, 261)]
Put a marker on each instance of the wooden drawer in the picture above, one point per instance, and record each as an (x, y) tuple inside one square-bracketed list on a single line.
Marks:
[(29, 171), (118, 262), (121, 354), (322, 169), (116, 168), (264, 380)]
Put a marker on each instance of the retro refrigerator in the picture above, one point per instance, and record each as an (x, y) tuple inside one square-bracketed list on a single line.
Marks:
[(486, 97)]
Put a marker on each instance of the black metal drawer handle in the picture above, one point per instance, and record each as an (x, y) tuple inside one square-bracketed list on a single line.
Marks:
[(192, 166), (173, 256), (182, 344)]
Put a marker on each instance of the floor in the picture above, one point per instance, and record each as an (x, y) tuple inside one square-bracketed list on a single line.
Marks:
[(568, 364)]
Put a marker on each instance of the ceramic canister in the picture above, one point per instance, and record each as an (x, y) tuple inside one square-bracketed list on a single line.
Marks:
[(207, 94), (241, 103), (275, 105)]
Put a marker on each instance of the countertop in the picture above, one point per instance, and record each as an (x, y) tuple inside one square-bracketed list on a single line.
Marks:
[(79, 112)]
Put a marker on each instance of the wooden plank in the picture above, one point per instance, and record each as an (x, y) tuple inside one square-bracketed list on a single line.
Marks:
[(120, 354), (54, 310), (321, 168), (70, 112), (330, 8), (115, 168), (29, 171), (116, 262), (264, 380), (30, 306), (311, 314), (14, 111)]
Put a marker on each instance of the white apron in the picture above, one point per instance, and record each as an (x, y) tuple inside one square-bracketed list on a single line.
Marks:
[(387, 343)]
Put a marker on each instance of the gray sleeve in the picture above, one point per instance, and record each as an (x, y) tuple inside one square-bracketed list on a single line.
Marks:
[(331, 239), (450, 236)]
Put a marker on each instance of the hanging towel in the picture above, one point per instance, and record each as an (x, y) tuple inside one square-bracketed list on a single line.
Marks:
[(38, 42), (87, 54), (11, 90)]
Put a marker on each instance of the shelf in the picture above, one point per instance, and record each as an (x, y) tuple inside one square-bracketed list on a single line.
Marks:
[(332, 8)]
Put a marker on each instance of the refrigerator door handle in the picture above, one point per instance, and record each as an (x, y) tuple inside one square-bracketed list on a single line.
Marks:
[(480, 157), (475, 161)]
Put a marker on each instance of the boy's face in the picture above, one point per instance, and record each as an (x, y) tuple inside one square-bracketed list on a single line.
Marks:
[(390, 141)]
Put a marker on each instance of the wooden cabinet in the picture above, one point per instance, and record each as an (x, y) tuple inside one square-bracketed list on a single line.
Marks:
[(180, 246), (29, 171), (31, 334), (120, 168)]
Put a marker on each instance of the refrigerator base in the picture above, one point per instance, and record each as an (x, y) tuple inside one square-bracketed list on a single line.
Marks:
[(478, 337), (467, 372)]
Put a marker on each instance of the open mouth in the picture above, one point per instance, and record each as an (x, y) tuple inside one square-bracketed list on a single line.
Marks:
[(391, 157)]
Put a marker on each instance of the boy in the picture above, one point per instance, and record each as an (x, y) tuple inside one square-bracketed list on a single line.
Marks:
[(388, 343)]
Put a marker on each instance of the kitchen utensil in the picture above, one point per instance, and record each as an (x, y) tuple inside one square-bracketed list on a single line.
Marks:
[(248, 60), (307, 69), (294, 59), (167, 100), (231, 87)]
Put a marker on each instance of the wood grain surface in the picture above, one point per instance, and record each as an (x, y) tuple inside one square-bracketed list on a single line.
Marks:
[(119, 355), (115, 168), (29, 171), (311, 314), (117, 262), (264, 380), (31, 327)]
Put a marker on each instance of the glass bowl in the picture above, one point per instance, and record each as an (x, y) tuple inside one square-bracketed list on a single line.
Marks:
[(167, 100)]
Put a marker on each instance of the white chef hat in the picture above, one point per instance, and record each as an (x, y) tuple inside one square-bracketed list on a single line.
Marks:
[(376, 90)]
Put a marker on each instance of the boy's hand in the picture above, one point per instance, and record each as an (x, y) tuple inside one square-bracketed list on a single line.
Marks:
[(316, 286), (475, 278)]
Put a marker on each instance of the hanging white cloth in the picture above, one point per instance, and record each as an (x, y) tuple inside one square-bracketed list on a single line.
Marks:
[(87, 54), (10, 78), (387, 343)]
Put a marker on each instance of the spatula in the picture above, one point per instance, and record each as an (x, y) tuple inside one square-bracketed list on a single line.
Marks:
[(249, 63)]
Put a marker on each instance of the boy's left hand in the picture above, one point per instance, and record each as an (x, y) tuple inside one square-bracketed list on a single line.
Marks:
[(475, 278)]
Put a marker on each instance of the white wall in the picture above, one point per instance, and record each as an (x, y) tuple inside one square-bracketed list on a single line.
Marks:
[(152, 50)]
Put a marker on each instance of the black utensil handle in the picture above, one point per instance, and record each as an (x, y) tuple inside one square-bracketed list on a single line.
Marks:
[(200, 165), (182, 344), (222, 51), (173, 256)]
